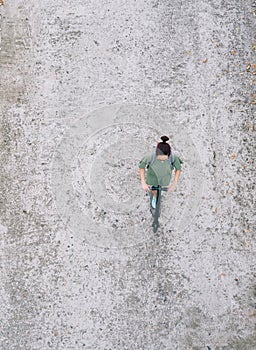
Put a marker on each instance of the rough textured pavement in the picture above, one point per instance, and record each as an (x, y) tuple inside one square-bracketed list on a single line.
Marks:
[(86, 87)]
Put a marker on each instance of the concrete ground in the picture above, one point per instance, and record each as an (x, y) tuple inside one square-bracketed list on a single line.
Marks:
[(86, 88)]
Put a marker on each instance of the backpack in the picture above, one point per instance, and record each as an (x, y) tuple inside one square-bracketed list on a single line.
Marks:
[(153, 157)]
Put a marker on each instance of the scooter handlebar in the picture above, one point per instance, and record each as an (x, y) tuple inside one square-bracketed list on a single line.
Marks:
[(159, 188)]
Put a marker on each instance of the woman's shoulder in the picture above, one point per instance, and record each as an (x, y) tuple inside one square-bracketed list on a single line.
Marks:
[(146, 157), (144, 161), (177, 162)]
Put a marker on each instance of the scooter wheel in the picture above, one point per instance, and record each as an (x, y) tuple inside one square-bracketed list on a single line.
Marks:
[(155, 227)]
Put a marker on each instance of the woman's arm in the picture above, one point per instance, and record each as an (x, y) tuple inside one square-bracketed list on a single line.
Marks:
[(143, 181), (175, 181)]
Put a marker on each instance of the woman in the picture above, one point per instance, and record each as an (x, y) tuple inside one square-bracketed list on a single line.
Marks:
[(159, 171)]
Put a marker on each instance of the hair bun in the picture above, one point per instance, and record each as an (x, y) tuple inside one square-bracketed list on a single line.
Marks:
[(164, 138)]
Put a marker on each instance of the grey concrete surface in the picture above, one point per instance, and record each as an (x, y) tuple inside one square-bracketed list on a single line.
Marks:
[(86, 87)]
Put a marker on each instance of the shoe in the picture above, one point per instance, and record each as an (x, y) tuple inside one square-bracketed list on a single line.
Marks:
[(153, 203)]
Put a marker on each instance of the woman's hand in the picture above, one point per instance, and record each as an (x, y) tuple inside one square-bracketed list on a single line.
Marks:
[(172, 187), (145, 186)]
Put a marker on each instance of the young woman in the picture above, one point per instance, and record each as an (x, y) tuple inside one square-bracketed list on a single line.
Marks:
[(159, 172)]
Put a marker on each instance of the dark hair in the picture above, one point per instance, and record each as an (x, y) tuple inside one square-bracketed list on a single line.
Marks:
[(163, 148)]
